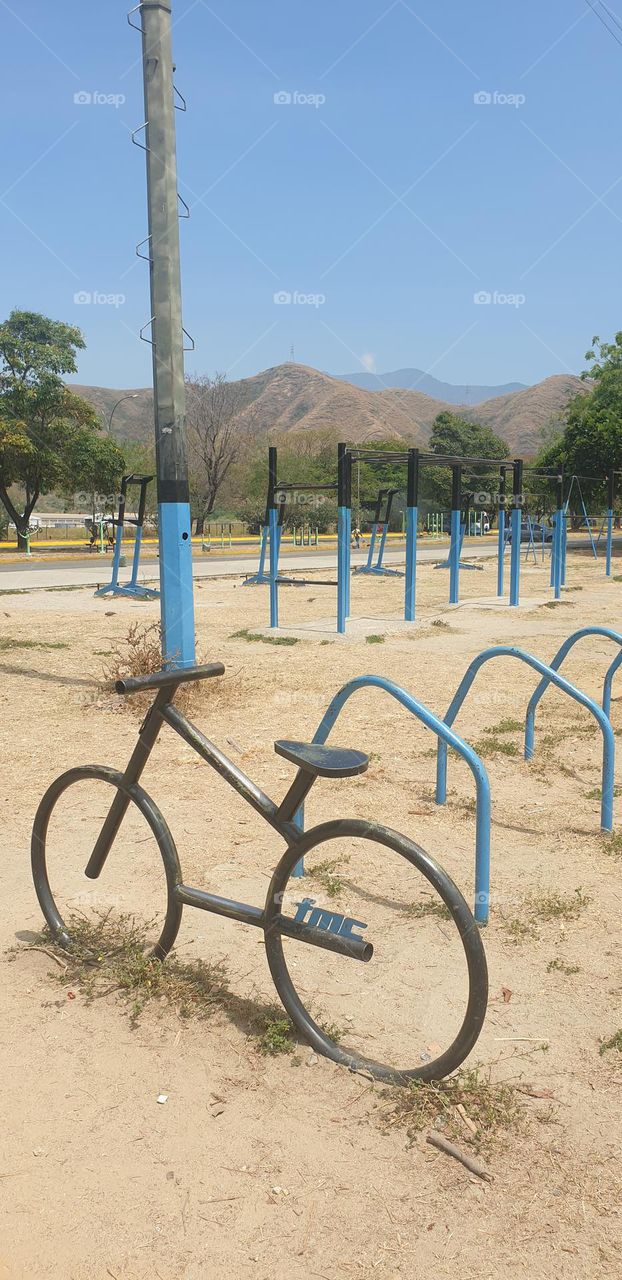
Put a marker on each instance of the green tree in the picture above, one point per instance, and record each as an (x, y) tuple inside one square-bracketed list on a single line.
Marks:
[(457, 437), (94, 464), (590, 445), (39, 414)]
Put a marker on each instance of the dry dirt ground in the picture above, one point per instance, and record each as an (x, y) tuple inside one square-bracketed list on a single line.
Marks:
[(284, 1166)]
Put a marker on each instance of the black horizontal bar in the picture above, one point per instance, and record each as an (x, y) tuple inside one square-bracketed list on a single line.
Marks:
[(361, 456), (303, 488), (306, 582), (447, 460), (354, 948), (170, 676)]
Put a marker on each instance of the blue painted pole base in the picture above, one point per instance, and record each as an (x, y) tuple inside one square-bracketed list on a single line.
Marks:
[(176, 590)]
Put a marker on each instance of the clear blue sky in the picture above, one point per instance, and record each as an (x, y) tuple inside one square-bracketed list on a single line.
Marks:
[(395, 200)]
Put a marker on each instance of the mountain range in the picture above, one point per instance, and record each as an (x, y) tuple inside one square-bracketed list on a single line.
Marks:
[(294, 397), (417, 380)]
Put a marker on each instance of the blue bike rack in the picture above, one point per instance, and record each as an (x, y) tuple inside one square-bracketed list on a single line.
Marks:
[(449, 738), (552, 677), (555, 664)]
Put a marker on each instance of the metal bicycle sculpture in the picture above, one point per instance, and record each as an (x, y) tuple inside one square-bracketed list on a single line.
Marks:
[(408, 979)]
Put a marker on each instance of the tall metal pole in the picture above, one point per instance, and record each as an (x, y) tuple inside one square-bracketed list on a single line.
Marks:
[(177, 602), (515, 528)]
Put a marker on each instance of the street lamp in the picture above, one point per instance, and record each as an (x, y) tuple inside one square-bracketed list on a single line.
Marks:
[(132, 396)]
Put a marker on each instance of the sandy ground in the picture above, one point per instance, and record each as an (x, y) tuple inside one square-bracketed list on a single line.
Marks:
[(281, 1166)]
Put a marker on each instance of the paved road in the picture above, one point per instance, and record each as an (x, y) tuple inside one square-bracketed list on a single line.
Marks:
[(91, 572)]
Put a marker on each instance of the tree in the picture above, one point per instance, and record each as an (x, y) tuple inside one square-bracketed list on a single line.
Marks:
[(590, 444), (39, 414), (95, 464), (216, 435), (457, 437)]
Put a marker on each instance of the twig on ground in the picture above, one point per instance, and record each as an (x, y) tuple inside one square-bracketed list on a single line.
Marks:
[(50, 954), (436, 1140)]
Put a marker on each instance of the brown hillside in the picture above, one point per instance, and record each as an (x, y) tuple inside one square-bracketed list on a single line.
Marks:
[(521, 417), (295, 397)]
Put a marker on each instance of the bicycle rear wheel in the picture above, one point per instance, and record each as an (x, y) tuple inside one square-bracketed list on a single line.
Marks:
[(416, 1009), (67, 823)]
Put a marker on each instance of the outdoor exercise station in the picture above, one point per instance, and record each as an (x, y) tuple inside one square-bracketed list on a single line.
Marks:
[(515, 525), (133, 587)]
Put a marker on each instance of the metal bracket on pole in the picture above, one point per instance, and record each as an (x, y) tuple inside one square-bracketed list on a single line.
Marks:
[(142, 126), (147, 240), (146, 325)]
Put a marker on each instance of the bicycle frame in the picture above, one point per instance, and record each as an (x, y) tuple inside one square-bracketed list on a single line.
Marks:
[(280, 817)]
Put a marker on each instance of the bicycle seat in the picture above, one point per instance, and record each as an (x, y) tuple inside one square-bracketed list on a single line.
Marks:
[(323, 762)]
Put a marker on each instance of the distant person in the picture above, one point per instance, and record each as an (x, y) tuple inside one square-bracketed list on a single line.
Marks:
[(357, 538)]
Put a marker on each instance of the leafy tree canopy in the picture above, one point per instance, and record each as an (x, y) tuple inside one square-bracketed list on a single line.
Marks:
[(41, 418), (590, 444)]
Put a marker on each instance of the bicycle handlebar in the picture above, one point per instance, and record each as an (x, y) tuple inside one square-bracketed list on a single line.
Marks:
[(174, 676)]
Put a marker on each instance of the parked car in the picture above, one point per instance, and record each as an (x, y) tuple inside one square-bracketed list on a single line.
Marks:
[(537, 532)]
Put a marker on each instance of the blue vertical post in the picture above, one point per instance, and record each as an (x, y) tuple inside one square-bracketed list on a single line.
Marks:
[(501, 533), (610, 501), (412, 501), (559, 552), (140, 520), (564, 547), (262, 548), (383, 539), (372, 544), (563, 531), (344, 499), (273, 536), (116, 558), (455, 535), (558, 539), (515, 524), (348, 550), (138, 537)]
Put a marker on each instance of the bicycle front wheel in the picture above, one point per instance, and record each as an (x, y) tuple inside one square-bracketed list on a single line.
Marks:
[(140, 874), (416, 1008)]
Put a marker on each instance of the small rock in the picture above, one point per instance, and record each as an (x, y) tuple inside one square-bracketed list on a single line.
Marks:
[(162, 1098), (311, 1060)]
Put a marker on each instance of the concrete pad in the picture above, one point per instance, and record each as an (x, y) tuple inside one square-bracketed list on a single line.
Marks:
[(494, 602), (325, 629)]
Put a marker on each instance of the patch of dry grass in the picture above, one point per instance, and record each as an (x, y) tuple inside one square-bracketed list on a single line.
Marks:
[(468, 1108), (139, 653)]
